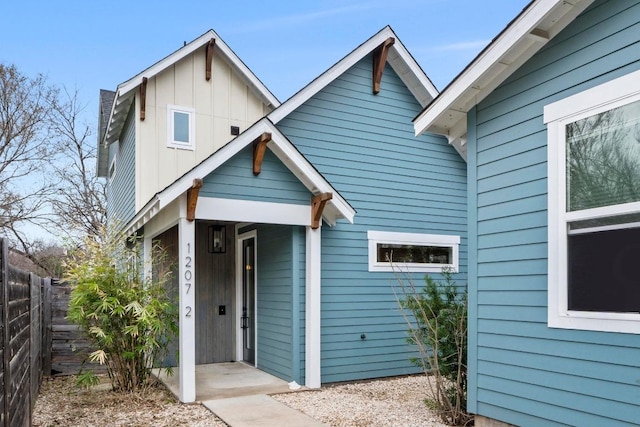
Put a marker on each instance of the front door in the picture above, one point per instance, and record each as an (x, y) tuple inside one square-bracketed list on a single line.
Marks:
[(248, 301), (215, 286)]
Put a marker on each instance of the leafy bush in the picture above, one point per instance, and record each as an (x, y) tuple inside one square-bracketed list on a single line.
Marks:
[(129, 320), (437, 316)]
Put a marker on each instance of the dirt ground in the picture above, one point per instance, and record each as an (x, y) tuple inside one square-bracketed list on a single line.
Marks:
[(62, 403), (387, 402)]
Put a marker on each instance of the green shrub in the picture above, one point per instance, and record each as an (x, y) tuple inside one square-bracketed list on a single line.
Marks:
[(130, 321), (437, 316)]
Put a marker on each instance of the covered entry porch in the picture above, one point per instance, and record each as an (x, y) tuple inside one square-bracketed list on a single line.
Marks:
[(225, 380), (240, 189)]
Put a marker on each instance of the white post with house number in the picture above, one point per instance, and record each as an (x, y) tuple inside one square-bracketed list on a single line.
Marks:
[(186, 271)]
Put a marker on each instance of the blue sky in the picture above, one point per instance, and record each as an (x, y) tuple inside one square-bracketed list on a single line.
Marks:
[(93, 45)]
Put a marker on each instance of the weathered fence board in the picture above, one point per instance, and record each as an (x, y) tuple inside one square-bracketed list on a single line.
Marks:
[(21, 342), (4, 277), (69, 344)]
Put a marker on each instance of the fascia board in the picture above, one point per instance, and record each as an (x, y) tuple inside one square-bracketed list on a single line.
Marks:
[(414, 68), (518, 30), (185, 182), (343, 65), (158, 67), (307, 174), (281, 147)]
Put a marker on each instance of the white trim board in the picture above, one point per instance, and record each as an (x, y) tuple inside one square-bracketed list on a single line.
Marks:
[(538, 23), (126, 90), (335, 209), (218, 209)]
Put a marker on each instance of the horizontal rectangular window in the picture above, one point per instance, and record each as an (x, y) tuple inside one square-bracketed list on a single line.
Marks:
[(421, 254), (412, 252)]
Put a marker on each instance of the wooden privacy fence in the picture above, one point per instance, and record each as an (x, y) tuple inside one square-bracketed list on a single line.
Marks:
[(25, 340), (69, 344)]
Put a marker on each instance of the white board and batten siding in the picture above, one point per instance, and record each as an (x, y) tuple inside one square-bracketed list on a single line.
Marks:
[(224, 101), (520, 370), (364, 145)]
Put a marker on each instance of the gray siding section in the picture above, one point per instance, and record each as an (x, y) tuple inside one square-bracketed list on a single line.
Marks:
[(364, 145), (521, 371), (235, 180), (275, 298), (121, 204)]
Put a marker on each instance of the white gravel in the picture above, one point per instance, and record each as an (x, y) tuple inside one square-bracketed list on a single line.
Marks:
[(388, 402)]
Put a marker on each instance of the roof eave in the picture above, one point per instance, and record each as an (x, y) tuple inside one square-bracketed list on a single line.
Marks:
[(126, 91), (538, 23), (337, 207), (399, 58)]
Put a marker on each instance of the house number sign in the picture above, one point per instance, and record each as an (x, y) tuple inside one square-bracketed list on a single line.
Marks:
[(188, 275)]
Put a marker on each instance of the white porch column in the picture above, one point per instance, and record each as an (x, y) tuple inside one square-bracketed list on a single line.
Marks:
[(147, 262), (312, 315), (186, 271)]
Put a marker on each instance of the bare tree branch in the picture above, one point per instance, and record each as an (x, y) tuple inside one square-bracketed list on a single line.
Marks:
[(25, 150), (79, 204)]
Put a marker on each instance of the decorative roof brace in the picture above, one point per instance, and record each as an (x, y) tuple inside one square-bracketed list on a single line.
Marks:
[(143, 98), (379, 61), (317, 206), (192, 198), (259, 147), (209, 58)]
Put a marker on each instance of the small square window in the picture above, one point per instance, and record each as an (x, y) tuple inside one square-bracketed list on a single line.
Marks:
[(412, 252), (180, 130)]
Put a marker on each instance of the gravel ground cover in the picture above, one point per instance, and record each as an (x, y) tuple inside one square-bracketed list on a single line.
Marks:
[(388, 402)]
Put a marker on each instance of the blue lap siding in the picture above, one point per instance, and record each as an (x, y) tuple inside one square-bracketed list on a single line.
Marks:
[(364, 145), (275, 183), (521, 371), (280, 300), (121, 203)]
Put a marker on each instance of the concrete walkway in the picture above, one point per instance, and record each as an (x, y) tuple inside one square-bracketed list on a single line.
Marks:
[(259, 410), (238, 394)]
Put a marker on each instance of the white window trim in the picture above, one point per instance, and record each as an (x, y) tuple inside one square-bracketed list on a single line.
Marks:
[(615, 93), (113, 165), (191, 145), (376, 237)]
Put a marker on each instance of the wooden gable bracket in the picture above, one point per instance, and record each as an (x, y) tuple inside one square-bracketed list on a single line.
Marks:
[(259, 147), (379, 61), (143, 98), (209, 58), (192, 198), (317, 206)]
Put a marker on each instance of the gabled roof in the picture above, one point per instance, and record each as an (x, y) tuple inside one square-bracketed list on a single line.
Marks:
[(288, 154), (538, 23), (398, 57), (126, 91)]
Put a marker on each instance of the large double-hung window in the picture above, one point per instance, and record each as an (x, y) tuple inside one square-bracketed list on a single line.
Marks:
[(594, 208)]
